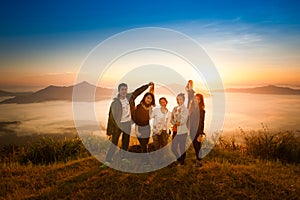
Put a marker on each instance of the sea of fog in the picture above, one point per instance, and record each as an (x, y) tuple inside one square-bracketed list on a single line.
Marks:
[(246, 111)]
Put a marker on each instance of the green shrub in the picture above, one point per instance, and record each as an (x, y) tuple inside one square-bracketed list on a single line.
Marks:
[(49, 151), (282, 146), (8, 153)]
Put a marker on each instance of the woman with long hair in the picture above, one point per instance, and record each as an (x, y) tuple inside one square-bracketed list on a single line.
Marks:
[(196, 125), (142, 117)]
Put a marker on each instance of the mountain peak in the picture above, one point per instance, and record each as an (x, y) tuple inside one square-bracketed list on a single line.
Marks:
[(271, 86), (84, 83), (88, 93), (269, 89)]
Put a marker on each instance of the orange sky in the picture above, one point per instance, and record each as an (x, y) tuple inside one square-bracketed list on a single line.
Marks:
[(233, 74), (242, 60)]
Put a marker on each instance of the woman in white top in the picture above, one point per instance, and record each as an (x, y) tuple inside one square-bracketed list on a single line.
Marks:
[(179, 119), (161, 124)]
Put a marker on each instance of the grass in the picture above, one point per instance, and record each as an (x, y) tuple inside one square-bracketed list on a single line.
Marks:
[(282, 146), (217, 179), (46, 150), (230, 171)]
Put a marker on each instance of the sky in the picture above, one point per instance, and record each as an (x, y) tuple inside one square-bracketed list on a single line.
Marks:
[(251, 43)]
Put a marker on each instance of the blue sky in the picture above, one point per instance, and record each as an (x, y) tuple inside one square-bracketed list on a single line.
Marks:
[(46, 17), (33, 32)]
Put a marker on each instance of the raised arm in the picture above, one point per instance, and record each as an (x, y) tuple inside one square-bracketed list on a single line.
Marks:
[(139, 91), (151, 87)]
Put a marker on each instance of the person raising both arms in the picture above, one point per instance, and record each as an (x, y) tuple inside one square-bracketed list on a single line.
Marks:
[(142, 116)]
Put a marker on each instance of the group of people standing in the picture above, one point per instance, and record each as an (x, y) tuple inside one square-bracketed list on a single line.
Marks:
[(183, 120)]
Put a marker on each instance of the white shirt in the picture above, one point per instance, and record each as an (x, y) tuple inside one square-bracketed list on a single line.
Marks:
[(126, 115), (180, 114), (161, 120)]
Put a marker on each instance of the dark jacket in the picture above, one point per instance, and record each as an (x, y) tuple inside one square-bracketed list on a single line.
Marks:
[(196, 121), (141, 116), (115, 110)]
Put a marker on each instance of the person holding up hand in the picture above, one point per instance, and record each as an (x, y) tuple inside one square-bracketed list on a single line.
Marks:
[(179, 119)]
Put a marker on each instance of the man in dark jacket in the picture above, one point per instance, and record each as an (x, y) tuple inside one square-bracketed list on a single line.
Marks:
[(120, 118)]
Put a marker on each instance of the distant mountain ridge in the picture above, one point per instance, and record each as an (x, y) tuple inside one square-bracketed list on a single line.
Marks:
[(86, 91), (7, 94), (270, 89), (54, 93)]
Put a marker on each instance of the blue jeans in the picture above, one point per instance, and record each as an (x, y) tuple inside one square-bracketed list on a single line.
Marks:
[(179, 141)]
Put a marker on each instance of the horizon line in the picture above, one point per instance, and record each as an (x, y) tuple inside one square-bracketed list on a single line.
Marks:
[(21, 88)]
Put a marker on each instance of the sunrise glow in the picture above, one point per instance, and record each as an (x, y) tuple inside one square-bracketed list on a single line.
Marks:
[(247, 49)]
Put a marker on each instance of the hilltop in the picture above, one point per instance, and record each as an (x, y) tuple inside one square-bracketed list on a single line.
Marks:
[(8, 94), (224, 175), (266, 168), (54, 93), (270, 89)]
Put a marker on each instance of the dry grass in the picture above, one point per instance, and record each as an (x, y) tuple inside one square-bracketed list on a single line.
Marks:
[(225, 175), (230, 171)]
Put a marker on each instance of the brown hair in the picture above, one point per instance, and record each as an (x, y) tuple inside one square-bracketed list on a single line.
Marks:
[(163, 98), (152, 96), (201, 103)]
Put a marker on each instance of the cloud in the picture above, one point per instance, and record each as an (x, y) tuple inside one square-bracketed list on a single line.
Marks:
[(239, 48)]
